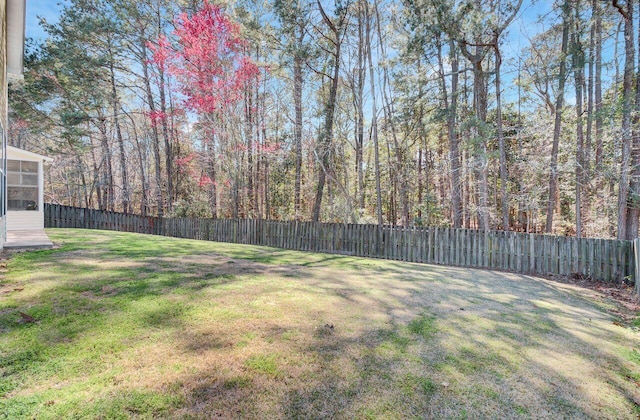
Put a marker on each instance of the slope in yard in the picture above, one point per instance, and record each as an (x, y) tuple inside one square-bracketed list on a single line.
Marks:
[(125, 325)]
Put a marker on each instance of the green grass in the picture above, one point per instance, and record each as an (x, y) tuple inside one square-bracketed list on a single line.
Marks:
[(424, 326), (135, 326), (263, 364)]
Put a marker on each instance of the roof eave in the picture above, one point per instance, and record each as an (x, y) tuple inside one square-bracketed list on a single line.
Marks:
[(12, 150), (16, 11)]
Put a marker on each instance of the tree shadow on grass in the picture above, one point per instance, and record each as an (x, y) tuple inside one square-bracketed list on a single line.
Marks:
[(504, 345), (74, 301), (490, 331)]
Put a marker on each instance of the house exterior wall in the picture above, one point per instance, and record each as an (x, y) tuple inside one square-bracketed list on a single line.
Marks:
[(12, 27), (25, 220), (3, 63), (3, 121)]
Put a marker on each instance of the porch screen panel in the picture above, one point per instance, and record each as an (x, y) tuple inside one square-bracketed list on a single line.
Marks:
[(22, 185)]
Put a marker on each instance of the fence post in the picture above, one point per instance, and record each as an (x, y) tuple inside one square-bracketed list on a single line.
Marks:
[(532, 253), (487, 251)]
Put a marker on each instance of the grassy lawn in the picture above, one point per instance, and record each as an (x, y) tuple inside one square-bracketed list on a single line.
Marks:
[(128, 325)]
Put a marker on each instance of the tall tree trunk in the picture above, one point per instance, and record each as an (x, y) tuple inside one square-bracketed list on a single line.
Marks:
[(504, 177), (452, 135), (326, 135), (578, 75), (553, 167), (588, 173), (423, 148), (481, 165), (297, 100), (263, 129), (359, 104), (421, 183), (597, 12), (144, 201), (168, 147), (588, 170), (109, 191), (466, 193), (392, 192), (80, 166), (97, 179), (267, 201), (115, 103), (251, 145), (374, 119), (210, 157), (155, 141), (633, 216), (400, 178), (454, 142), (627, 91)]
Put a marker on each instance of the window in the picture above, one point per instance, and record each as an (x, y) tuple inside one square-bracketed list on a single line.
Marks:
[(22, 185)]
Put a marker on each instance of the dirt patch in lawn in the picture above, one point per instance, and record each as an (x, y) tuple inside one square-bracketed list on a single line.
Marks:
[(627, 301)]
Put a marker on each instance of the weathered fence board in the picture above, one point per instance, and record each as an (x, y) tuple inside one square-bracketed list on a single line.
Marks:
[(599, 259)]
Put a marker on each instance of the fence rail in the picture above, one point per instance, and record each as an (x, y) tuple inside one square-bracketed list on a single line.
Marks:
[(600, 259)]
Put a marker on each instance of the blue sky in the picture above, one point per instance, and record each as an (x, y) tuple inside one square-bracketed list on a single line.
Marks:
[(526, 21), (525, 26), (48, 9)]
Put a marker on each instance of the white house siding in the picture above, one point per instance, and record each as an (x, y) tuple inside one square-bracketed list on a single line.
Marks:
[(12, 14), (25, 220), (3, 112)]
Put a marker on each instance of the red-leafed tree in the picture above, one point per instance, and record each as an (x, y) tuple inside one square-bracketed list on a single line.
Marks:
[(208, 63)]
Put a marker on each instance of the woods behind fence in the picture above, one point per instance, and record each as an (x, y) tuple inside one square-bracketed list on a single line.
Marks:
[(599, 259)]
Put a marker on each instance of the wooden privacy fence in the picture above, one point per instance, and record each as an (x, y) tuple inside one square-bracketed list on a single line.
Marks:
[(599, 259)]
